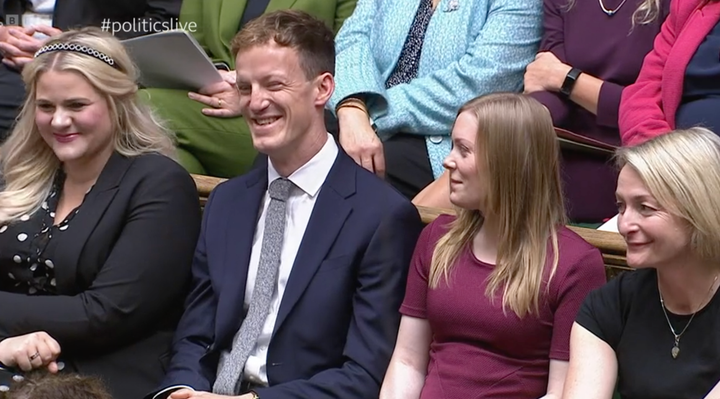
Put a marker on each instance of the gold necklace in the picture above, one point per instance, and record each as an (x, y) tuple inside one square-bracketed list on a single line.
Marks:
[(676, 348)]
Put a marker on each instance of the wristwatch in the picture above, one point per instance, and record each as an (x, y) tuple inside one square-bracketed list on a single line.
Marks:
[(569, 82)]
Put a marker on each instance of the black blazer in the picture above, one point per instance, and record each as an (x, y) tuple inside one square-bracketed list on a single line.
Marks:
[(131, 247), (338, 318), (78, 13)]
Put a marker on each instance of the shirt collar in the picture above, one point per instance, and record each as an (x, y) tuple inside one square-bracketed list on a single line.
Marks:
[(311, 176)]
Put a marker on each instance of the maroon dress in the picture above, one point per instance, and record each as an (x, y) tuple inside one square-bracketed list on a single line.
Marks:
[(477, 351), (610, 49)]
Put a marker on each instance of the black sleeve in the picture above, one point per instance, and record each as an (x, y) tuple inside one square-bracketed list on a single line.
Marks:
[(145, 273), (602, 311)]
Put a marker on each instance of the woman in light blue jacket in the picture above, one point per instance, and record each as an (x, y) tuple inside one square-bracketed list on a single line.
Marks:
[(404, 68)]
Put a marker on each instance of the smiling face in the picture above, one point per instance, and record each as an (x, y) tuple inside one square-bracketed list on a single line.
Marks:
[(279, 102), (654, 236), (467, 187), (73, 118)]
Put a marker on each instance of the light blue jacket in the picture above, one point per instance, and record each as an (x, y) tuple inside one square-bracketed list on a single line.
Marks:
[(471, 47)]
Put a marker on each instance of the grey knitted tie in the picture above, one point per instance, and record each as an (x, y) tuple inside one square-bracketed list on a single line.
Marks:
[(230, 369)]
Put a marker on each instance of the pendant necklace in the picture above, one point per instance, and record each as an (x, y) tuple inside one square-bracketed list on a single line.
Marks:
[(610, 13), (675, 351)]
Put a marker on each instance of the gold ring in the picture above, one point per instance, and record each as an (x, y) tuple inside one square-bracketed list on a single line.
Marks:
[(220, 102)]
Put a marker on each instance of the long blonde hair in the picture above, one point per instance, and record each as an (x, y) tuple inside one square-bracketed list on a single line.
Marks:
[(681, 170), (516, 145), (29, 165), (647, 12)]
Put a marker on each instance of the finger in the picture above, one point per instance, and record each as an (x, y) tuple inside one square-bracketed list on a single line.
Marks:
[(215, 88), (47, 30), (379, 163), (24, 37), (10, 63), (355, 155), (181, 394), (53, 367), (229, 77), (367, 163), (10, 51), (42, 356), (207, 100), (53, 345), (219, 112), (20, 62), (20, 29), (27, 47), (23, 355)]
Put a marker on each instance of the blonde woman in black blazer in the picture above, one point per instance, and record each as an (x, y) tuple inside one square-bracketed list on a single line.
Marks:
[(97, 224)]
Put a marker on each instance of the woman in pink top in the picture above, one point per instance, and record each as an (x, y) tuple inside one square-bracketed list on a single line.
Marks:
[(492, 294), (678, 84)]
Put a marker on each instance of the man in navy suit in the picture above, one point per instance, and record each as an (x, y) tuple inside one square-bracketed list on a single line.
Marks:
[(300, 268)]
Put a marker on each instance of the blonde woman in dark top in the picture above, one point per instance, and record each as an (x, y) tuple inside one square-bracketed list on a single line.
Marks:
[(653, 332), (97, 223)]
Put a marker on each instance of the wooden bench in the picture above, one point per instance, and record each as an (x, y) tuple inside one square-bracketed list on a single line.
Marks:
[(610, 244)]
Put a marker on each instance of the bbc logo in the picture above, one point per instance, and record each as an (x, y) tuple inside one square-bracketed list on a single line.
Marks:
[(12, 19)]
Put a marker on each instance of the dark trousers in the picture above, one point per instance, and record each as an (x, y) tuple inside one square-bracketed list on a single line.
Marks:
[(12, 94), (407, 166)]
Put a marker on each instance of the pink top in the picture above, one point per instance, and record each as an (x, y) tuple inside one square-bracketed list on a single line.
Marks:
[(476, 350), (648, 106)]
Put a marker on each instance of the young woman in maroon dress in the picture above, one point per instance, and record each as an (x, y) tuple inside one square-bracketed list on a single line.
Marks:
[(492, 293)]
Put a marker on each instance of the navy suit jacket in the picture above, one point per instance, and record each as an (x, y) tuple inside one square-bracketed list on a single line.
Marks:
[(339, 315)]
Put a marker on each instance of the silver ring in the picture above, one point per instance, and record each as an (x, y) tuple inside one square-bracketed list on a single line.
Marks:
[(220, 103), (35, 356)]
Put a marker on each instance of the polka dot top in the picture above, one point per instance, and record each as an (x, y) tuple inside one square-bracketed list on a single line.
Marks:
[(27, 247)]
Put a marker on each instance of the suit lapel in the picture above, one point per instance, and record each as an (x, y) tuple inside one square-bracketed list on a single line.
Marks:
[(70, 246), (239, 232), (328, 218), (698, 25)]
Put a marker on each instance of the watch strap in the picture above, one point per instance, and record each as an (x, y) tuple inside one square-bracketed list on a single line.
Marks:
[(569, 82)]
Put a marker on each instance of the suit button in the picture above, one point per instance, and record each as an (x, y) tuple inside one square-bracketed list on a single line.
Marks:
[(18, 378), (61, 365), (436, 139), (4, 388)]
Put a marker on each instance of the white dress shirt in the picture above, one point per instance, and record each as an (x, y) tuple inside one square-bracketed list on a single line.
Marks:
[(40, 13), (43, 6), (308, 180)]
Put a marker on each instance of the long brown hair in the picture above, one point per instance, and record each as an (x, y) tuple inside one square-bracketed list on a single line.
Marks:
[(516, 145)]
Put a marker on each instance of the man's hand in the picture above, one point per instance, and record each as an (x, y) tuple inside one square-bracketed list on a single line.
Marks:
[(190, 394), (8, 49), (222, 97), (18, 46), (359, 140), (30, 351)]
